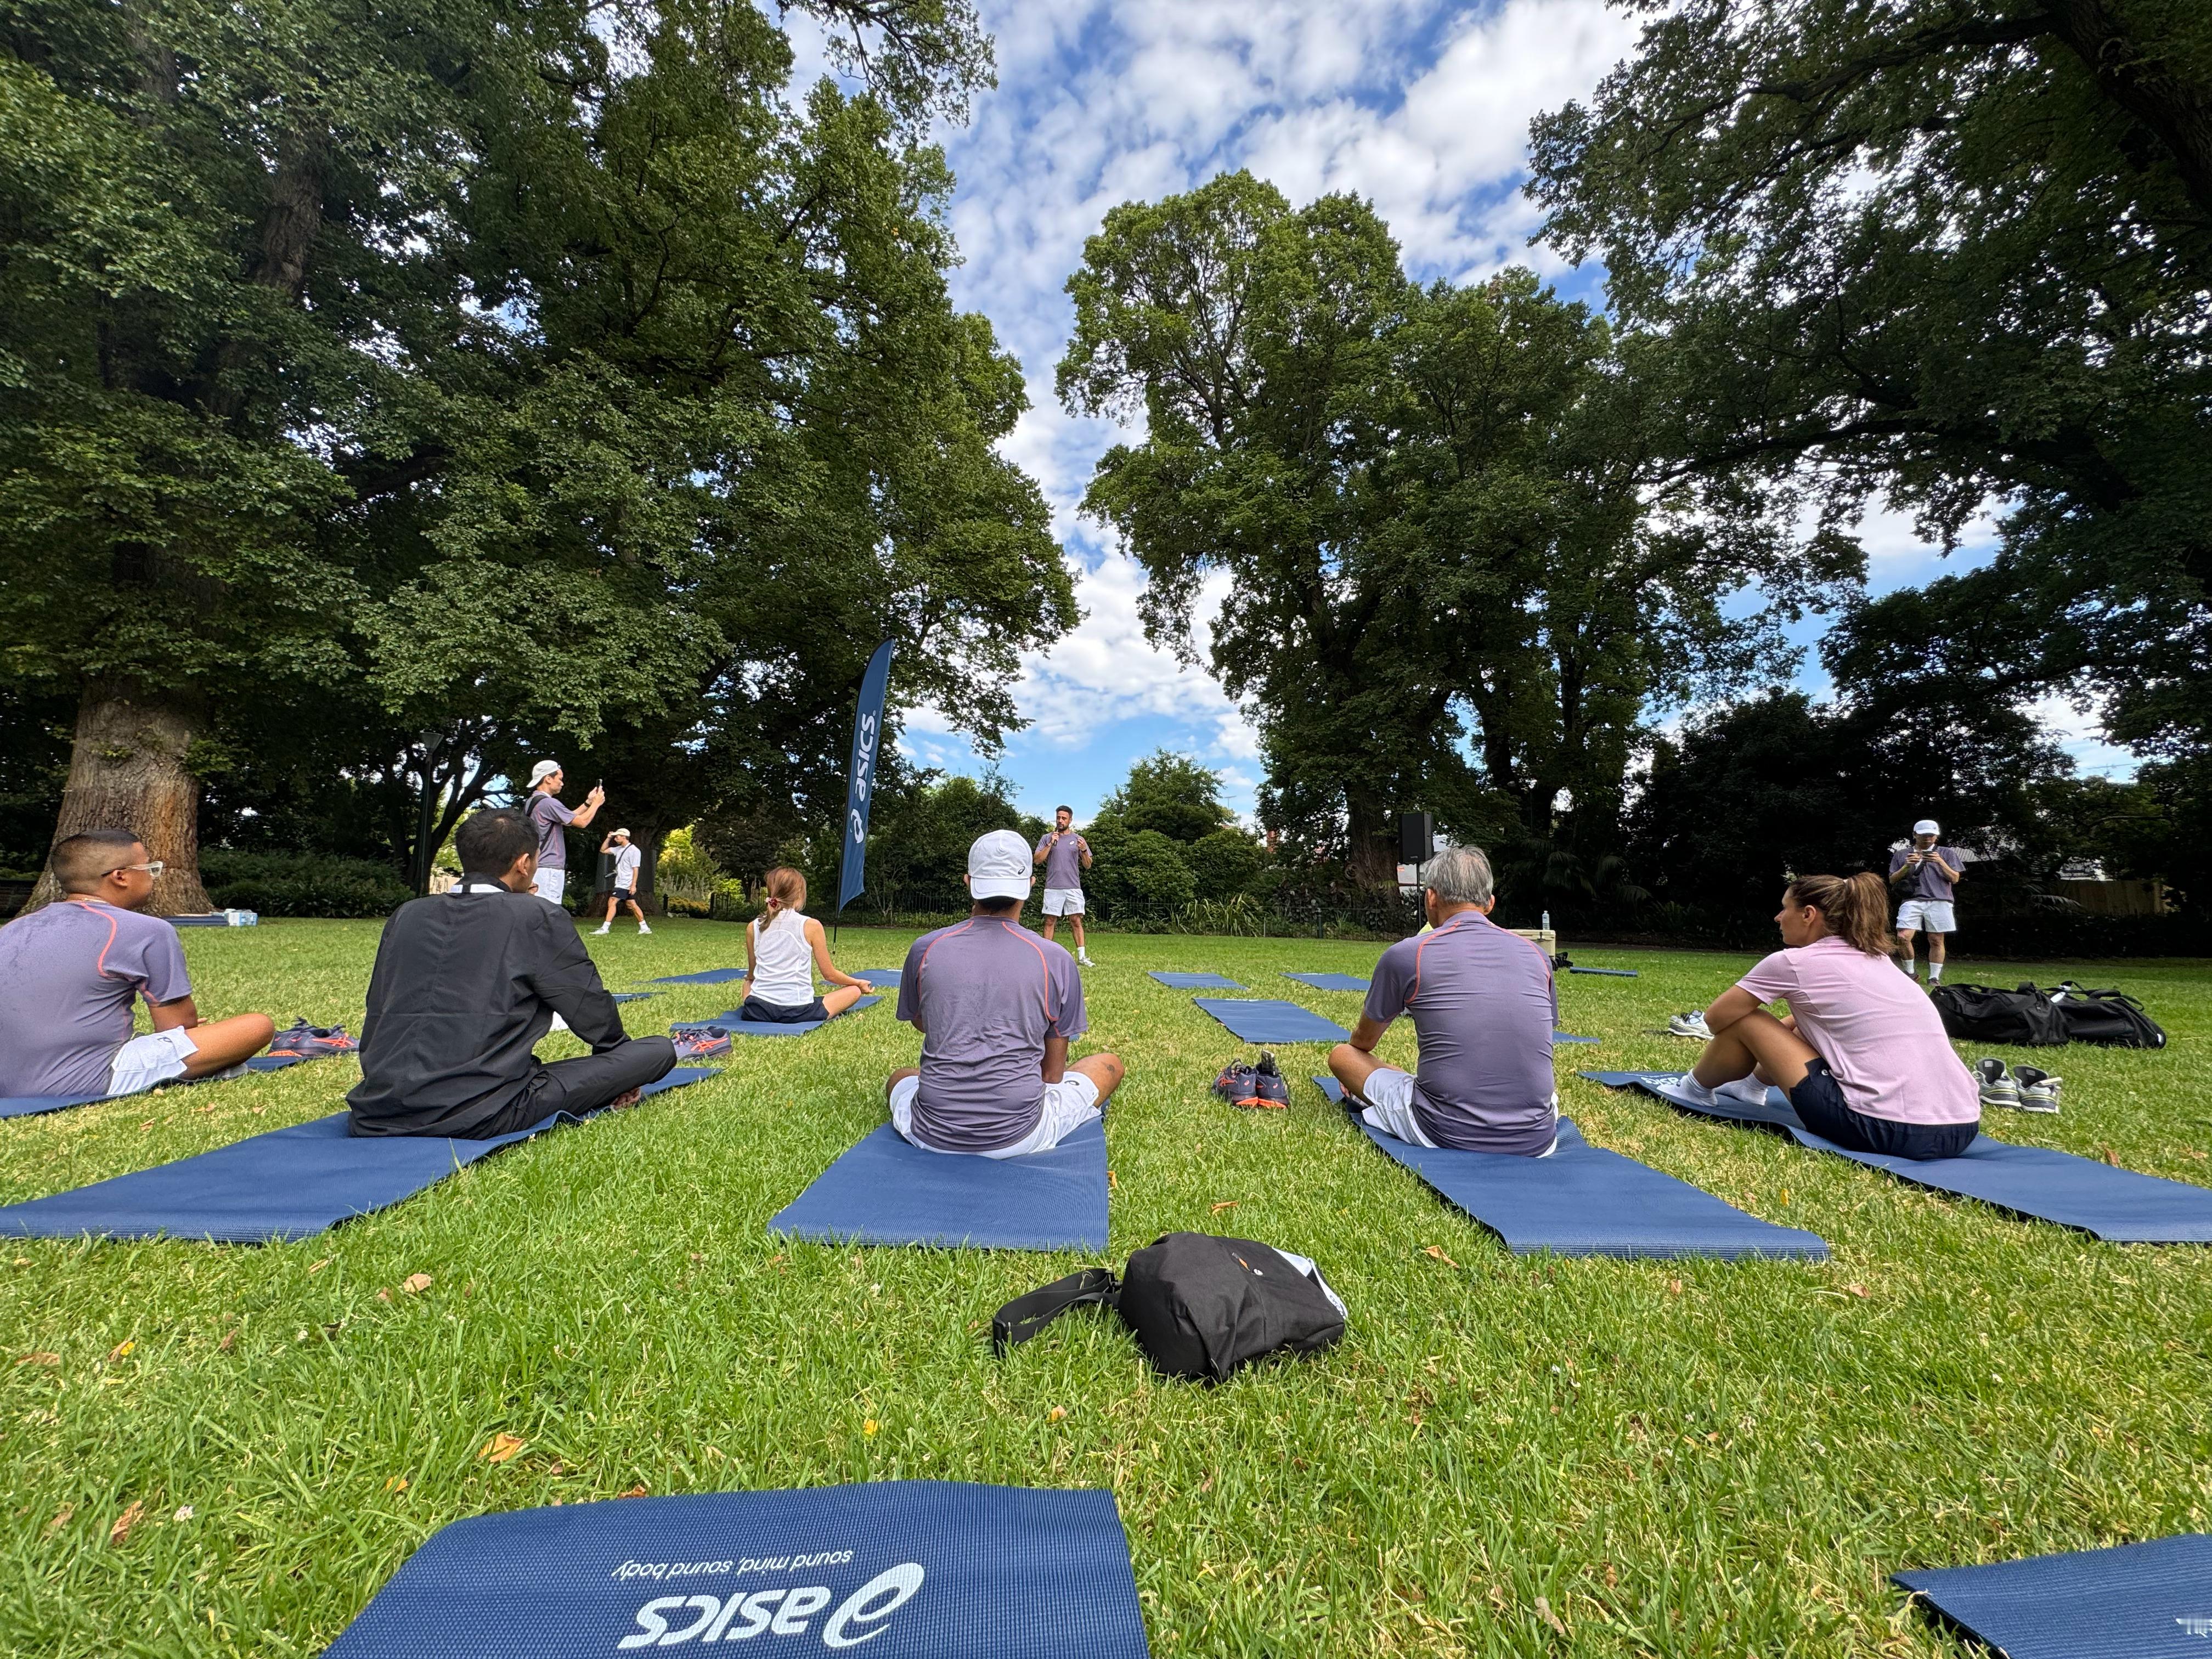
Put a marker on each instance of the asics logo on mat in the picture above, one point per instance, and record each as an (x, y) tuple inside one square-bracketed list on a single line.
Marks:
[(2195, 1627), (668, 1621)]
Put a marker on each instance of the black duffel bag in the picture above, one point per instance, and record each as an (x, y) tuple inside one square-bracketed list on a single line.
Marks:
[(2112, 1017), (1200, 1306), (2025, 1018)]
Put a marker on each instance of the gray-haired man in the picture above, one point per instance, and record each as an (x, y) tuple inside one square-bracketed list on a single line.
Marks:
[(1484, 1008)]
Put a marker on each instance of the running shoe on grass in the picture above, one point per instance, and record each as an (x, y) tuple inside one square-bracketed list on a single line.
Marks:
[(1997, 1087), (2039, 1090), (704, 1043), (1690, 1024)]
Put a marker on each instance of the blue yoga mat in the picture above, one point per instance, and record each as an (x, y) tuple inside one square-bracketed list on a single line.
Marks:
[(884, 979), (2036, 1181), (1196, 981), (1267, 1020), (1609, 973), (1330, 981), (32, 1105), (1584, 1200), (1562, 1036), (2137, 1602), (729, 1021), (900, 1569), (886, 1191), (633, 996), (287, 1184), (707, 977)]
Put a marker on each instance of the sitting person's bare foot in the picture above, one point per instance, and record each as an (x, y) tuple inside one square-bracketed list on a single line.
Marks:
[(624, 1103)]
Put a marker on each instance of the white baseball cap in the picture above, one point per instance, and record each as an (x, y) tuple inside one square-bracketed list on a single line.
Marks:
[(542, 770), (999, 865), (621, 832), (1927, 827)]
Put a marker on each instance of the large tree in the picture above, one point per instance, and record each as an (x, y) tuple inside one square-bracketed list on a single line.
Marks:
[(1940, 251)]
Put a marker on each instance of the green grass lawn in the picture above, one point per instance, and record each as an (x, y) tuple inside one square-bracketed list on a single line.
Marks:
[(1686, 1458)]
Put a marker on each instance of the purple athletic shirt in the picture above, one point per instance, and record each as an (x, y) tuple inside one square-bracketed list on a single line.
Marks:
[(1879, 1034), (1927, 881), (1063, 866), (985, 994), (1484, 1008), (70, 975), (547, 815)]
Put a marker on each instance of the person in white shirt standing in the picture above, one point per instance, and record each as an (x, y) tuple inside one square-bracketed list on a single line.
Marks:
[(548, 816), (627, 859), (1065, 855)]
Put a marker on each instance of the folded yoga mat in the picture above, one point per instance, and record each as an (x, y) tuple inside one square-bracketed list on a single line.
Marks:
[(2037, 1181), (1584, 1200), (707, 976), (287, 1184), (1330, 981), (1196, 981), (884, 979), (899, 1569), (1267, 1020), (2137, 1602), (32, 1105), (730, 1022), (886, 1191)]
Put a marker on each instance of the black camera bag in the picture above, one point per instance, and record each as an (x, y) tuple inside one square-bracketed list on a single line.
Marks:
[(2025, 1018)]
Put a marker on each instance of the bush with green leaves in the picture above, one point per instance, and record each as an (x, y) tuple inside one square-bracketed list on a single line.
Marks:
[(1226, 864), (301, 883), (1147, 880)]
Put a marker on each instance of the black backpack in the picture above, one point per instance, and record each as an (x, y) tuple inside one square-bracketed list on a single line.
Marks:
[(2026, 1018), (1200, 1306), (2112, 1017)]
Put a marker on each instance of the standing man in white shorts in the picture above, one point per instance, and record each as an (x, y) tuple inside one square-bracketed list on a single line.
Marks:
[(547, 815), (1923, 876), (1065, 855)]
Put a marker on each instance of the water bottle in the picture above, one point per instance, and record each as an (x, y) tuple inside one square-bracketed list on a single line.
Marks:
[(1545, 922)]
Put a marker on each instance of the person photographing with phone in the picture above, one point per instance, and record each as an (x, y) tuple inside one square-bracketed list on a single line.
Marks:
[(1065, 855), (547, 817), (1923, 875)]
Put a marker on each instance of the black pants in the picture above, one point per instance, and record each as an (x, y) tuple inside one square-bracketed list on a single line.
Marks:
[(582, 1086), (1820, 1107)]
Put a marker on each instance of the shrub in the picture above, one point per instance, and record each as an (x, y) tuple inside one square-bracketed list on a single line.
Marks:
[(1225, 864), (299, 884), (1147, 878)]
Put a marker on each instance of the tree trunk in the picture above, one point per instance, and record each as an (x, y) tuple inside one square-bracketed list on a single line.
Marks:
[(648, 842), (1371, 859), (127, 772)]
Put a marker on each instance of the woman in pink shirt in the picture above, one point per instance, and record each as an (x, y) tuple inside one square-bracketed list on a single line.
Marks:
[(1862, 1055)]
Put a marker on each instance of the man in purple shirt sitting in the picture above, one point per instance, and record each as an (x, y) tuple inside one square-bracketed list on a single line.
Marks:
[(71, 974), (997, 1008), (1484, 1008)]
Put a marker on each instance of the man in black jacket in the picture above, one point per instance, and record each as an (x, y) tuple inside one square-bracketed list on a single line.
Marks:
[(466, 984)]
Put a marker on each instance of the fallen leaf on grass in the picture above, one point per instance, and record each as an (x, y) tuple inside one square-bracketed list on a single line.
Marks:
[(638, 1490), (229, 1342), (414, 1283), (1055, 1414), (2199, 1156), (1225, 1204), (41, 1358), (63, 1516), (397, 1483), (384, 1295), (1438, 1252), (318, 1267), (1674, 1287), (1114, 1180), (501, 1447), (258, 1111), (1858, 1290), (148, 1124), (123, 1348), (130, 1518), (2109, 1157), (1544, 1611)]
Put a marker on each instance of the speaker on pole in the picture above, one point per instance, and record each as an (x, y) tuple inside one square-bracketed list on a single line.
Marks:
[(1417, 838)]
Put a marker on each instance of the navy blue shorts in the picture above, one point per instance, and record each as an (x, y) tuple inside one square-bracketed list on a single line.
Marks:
[(782, 1013), (1819, 1103)]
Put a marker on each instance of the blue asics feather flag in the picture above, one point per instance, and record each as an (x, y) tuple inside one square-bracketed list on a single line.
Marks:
[(860, 787)]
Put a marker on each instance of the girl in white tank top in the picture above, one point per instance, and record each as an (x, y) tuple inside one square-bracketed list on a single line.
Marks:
[(784, 950)]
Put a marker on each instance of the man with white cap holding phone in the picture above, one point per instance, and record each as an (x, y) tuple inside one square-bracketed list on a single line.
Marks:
[(997, 1008), (548, 816), (1923, 876)]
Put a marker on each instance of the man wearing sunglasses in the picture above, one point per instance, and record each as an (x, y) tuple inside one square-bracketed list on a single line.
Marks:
[(71, 975)]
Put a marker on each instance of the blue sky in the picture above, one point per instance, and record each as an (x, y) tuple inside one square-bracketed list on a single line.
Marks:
[(1423, 107)]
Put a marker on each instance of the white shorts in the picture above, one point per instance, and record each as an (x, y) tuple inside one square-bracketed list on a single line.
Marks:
[(144, 1061), (1389, 1096), (549, 884), (1933, 915), (1063, 901), (1068, 1105)]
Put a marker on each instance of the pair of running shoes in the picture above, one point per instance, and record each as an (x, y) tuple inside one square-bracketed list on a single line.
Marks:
[(1260, 1088)]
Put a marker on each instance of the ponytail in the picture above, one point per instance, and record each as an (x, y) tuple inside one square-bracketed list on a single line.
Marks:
[(1856, 908), (786, 890)]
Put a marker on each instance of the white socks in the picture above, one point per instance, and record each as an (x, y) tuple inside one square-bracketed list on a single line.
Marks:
[(1935, 973), (642, 928), (1749, 1090)]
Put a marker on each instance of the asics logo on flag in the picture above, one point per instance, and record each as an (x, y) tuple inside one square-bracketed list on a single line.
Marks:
[(2195, 1627), (669, 1621)]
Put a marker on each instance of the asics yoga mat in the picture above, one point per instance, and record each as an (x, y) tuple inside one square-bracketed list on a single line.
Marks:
[(290, 1183), (730, 1022), (899, 1570), (886, 1191), (705, 976), (32, 1105), (884, 979), (1196, 981), (2135, 1601), (1330, 981), (1584, 1200), (1266, 1020), (2036, 1181)]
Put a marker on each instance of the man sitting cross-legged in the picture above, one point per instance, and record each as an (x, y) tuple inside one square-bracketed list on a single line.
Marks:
[(997, 1008), (1484, 1008), (466, 984), (71, 973)]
